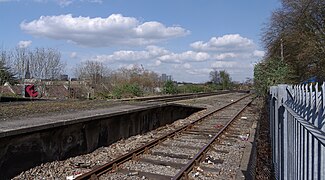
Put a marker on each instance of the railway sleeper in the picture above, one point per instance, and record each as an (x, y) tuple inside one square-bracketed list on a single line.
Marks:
[(181, 146), (162, 163), (141, 174), (171, 155)]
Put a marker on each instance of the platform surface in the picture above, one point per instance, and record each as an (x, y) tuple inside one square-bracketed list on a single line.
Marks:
[(20, 125)]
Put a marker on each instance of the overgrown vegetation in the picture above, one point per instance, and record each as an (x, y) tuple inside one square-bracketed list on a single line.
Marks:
[(221, 79), (270, 72), (295, 45), (127, 91), (170, 88)]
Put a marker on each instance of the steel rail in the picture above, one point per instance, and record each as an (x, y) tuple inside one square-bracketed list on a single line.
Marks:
[(197, 158), (93, 174), (177, 97)]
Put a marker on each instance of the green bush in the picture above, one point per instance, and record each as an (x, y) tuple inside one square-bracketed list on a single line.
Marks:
[(170, 88), (127, 91), (271, 71)]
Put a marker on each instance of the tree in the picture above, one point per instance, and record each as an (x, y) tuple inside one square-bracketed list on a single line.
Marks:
[(43, 63), (300, 27), (145, 79), (170, 87), (221, 78), (5, 74), (92, 70), (269, 72), (225, 79), (215, 77)]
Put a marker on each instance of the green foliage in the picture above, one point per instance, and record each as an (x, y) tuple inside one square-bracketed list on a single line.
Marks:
[(170, 88), (221, 78), (197, 88), (225, 80), (126, 91), (269, 72)]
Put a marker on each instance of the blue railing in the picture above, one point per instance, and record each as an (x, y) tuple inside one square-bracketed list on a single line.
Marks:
[(297, 131)]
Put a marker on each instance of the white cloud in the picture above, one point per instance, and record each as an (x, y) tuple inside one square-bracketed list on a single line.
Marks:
[(187, 66), (190, 65), (199, 71), (24, 44), (226, 43), (223, 64), (151, 52), (223, 56), (180, 67), (73, 55), (157, 63), (102, 32), (185, 56), (258, 53), (64, 3)]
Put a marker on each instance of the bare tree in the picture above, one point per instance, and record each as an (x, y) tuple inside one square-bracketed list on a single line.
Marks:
[(215, 76), (43, 63), (91, 70)]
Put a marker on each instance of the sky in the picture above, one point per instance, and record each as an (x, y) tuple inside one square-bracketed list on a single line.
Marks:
[(183, 38)]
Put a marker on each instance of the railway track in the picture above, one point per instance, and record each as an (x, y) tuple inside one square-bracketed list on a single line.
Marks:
[(178, 154), (169, 98)]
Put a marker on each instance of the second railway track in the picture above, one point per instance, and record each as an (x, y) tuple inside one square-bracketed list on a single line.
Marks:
[(174, 155)]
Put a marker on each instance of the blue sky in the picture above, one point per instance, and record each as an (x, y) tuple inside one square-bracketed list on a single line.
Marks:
[(183, 38)]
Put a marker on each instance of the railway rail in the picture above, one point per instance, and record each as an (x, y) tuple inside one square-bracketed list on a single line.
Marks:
[(168, 98), (177, 152)]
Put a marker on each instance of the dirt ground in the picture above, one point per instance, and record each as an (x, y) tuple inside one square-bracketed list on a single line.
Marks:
[(264, 156)]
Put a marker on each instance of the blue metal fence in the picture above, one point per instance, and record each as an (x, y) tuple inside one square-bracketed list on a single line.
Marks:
[(297, 131)]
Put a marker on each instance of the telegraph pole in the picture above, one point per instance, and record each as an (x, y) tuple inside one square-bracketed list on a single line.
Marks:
[(282, 50)]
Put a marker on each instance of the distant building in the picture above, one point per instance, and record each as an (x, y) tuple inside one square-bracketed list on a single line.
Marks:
[(27, 75), (165, 77), (169, 78), (64, 77)]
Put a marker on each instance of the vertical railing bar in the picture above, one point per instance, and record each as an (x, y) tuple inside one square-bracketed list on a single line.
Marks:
[(316, 106), (311, 104), (310, 155), (306, 104), (322, 163), (305, 153), (322, 122), (319, 161), (315, 157), (294, 146), (301, 152)]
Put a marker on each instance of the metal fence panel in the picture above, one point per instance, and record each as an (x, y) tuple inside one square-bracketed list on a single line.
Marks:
[(297, 131)]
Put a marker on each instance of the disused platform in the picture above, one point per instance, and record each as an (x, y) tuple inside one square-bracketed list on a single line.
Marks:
[(27, 142), (22, 125)]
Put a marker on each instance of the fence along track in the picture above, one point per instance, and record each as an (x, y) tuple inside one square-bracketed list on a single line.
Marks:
[(151, 147), (297, 131)]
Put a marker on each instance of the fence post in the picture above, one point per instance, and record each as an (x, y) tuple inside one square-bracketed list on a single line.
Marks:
[(274, 130), (283, 128)]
